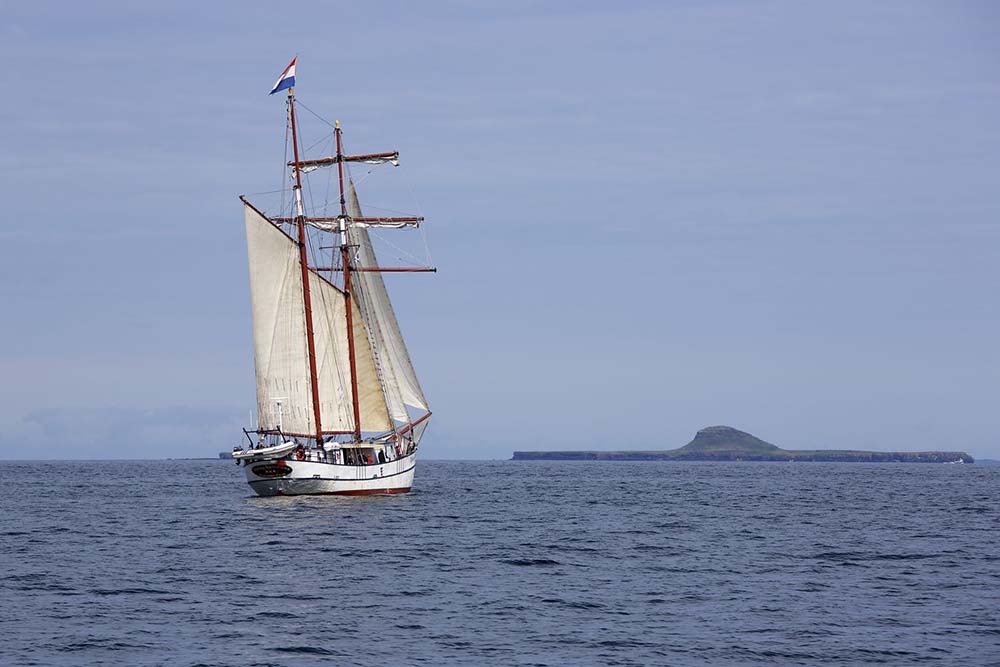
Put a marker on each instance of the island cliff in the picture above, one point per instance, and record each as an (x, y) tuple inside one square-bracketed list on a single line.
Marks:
[(723, 443)]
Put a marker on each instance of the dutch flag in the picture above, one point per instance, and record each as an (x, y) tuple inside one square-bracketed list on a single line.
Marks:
[(287, 78)]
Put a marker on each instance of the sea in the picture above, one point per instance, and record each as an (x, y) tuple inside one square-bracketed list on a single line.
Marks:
[(503, 563)]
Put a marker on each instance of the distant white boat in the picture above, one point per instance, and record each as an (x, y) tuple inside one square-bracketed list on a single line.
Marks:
[(339, 406)]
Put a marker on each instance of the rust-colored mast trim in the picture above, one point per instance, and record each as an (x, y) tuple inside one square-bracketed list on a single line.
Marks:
[(409, 427), (362, 220), (304, 262), (381, 269), (346, 267)]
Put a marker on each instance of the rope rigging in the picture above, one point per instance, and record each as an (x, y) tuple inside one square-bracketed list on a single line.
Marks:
[(368, 304)]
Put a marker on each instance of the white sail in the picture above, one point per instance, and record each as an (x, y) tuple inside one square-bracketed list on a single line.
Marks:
[(280, 346), (392, 359)]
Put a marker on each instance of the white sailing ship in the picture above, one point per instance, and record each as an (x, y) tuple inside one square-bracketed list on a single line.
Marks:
[(339, 406)]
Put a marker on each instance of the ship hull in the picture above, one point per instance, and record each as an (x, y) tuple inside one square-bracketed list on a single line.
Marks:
[(289, 477)]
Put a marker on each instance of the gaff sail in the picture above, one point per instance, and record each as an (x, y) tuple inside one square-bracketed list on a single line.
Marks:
[(280, 349)]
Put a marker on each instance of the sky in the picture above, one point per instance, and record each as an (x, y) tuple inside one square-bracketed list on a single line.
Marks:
[(648, 217)]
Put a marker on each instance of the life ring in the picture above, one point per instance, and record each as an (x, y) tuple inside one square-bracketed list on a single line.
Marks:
[(300, 454)]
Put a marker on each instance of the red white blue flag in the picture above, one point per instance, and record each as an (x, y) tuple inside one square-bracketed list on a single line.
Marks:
[(287, 78)]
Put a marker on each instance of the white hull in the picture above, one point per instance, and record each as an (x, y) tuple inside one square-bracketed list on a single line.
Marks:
[(289, 477)]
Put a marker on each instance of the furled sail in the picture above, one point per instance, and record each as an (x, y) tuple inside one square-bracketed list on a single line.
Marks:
[(391, 358), (306, 166), (280, 346)]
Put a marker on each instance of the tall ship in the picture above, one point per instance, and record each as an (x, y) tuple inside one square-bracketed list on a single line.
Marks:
[(339, 406)]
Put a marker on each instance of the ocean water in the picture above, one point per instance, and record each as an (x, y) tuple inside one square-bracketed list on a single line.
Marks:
[(503, 563)]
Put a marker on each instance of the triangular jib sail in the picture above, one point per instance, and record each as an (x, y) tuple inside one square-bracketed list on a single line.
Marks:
[(392, 361)]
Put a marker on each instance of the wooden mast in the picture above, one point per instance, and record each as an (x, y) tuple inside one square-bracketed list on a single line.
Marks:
[(346, 267), (304, 262)]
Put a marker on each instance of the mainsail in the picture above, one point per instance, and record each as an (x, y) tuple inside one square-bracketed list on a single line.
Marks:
[(280, 348), (392, 361)]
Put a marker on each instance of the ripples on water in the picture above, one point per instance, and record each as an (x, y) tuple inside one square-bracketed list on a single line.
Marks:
[(533, 563)]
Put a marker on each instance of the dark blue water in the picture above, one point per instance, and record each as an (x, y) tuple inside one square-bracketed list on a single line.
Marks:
[(503, 563)]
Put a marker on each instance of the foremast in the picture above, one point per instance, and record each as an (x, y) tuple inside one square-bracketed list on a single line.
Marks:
[(300, 224)]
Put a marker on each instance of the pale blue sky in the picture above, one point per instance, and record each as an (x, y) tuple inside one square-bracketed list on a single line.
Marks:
[(649, 217)]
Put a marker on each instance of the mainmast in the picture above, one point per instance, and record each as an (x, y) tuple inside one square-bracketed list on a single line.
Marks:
[(346, 267), (300, 216)]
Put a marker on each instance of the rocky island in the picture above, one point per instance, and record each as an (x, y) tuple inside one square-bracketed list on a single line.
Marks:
[(724, 443)]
